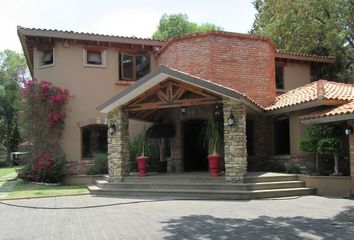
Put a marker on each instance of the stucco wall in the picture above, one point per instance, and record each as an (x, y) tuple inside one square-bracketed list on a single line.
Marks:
[(89, 87), (328, 185), (296, 75)]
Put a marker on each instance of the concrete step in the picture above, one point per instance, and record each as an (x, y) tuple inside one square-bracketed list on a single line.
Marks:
[(279, 178), (206, 186), (200, 193)]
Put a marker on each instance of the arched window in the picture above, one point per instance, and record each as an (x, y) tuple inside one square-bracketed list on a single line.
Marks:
[(94, 140)]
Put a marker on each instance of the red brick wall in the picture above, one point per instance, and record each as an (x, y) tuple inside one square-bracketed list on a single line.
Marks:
[(244, 63)]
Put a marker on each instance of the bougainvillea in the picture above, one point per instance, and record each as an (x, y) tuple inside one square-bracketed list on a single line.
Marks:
[(44, 115)]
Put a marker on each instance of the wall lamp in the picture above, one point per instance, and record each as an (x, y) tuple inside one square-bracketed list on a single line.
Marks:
[(231, 120), (183, 110), (348, 130), (112, 129)]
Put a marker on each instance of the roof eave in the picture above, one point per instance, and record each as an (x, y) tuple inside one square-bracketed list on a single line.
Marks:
[(87, 37), (301, 106), (337, 118), (25, 50), (305, 58)]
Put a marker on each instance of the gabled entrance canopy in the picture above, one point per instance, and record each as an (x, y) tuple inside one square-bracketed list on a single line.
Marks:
[(166, 87)]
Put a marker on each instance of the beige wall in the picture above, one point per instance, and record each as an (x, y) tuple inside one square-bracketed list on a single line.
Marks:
[(89, 87), (333, 186), (296, 75)]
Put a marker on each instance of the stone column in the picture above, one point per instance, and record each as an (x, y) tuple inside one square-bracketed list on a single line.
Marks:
[(235, 150), (351, 153), (118, 153)]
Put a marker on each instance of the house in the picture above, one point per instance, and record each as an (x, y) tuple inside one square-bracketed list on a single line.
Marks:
[(129, 82)]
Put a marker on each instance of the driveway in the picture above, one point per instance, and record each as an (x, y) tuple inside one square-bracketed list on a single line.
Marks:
[(87, 217)]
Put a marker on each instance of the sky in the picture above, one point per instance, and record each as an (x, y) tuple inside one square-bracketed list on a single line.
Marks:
[(116, 17)]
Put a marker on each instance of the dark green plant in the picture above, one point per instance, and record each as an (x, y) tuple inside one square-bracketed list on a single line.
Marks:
[(331, 146), (315, 134), (292, 169), (100, 164), (212, 136), (141, 145)]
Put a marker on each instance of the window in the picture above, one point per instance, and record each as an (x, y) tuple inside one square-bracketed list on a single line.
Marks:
[(279, 77), (94, 139), (45, 57), (134, 67), (281, 136), (94, 57)]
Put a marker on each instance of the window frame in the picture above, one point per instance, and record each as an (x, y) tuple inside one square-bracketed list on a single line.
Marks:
[(103, 52), (121, 55), (40, 55), (279, 66), (82, 138)]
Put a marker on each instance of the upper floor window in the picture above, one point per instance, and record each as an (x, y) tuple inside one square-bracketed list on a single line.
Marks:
[(46, 57), (279, 77), (134, 67), (94, 57)]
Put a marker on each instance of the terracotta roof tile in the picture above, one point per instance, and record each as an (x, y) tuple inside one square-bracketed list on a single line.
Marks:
[(303, 54), (318, 90), (344, 109)]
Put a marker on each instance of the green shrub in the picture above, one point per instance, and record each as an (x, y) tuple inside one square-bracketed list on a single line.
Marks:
[(100, 164), (292, 168)]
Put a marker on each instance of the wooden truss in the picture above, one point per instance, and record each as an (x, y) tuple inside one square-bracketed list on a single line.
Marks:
[(171, 94)]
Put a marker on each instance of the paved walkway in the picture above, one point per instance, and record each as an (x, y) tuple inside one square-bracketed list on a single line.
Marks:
[(308, 217), (7, 183)]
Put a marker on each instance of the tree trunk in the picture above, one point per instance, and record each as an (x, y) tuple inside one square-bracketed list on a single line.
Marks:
[(317, 168), (336, 172)]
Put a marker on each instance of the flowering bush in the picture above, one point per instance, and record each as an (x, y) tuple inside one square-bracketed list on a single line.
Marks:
[(44, 115)]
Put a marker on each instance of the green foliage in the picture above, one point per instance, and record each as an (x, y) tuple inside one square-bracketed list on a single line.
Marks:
[(319, 131), (44, 111), (13, 69), (212, 136), (100, 164), (308, 145), (315, 27), (329, 146), (178, 24), (141, 145), (292, 169)]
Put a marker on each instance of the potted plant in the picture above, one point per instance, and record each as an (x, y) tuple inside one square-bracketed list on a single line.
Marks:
[(212, 137), (143, 145)]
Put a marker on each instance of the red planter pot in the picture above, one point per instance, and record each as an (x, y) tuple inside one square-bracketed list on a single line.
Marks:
[(215, 165), (142, 165)]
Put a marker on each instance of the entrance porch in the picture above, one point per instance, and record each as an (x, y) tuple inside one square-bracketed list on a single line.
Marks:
[(186, 103)]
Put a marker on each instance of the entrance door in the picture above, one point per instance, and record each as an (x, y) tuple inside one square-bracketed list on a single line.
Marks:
[(195, 155)]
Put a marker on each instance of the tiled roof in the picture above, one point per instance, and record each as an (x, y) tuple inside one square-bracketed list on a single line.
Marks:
[(84, 34), (318, 90), (344, 109), (303, 54)]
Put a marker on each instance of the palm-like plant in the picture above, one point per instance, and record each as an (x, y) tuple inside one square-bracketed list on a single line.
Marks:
[(212, 136)]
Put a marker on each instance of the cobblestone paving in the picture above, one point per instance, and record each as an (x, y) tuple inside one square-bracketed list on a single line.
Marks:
[(309, 217)]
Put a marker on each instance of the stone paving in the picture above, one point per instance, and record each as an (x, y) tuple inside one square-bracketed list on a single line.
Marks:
[(309, 217)]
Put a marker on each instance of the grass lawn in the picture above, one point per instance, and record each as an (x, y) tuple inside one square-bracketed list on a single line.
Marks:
[(24, 190), (7, 170)]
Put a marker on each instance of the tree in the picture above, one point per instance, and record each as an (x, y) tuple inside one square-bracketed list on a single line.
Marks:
[(322, 141), (178, 24), (315, 134), (13, 70), (323, 27)]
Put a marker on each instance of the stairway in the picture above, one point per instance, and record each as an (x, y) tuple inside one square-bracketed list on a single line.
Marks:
[(201, 186)]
